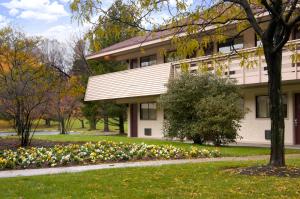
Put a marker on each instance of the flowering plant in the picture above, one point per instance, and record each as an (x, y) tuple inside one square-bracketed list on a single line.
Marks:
[(103, 151)]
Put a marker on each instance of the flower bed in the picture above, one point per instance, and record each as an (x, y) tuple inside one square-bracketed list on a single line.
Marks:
[(90, 153)]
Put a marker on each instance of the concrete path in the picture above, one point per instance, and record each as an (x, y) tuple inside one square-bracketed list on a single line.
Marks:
[(75, 169)]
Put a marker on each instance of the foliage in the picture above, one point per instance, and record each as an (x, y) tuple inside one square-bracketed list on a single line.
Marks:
[(104, 151), (203, 108), (105, 33), (214, 21), (67, 90), (25, 81)]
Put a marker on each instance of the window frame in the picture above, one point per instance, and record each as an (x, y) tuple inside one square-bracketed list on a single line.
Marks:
[(148, 56), (257, 106), (230, 43), (148, 112)]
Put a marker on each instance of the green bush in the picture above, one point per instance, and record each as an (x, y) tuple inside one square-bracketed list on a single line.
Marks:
[(204, 108)]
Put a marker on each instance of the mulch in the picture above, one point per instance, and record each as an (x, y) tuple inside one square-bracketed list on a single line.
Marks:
[(267, 170), (13, 143)]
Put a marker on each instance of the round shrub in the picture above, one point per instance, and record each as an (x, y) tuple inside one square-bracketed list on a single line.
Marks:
[(203, 108)]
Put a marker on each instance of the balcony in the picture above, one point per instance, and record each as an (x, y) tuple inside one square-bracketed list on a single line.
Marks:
[(139, 82), (255, 74), (152, 80)]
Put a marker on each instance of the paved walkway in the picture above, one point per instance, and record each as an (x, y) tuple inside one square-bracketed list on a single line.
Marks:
[(75, 169)]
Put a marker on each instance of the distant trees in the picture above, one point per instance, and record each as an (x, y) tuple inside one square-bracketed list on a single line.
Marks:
[(106, 32), (67, 92), (36, 83), (204, 108), (25, 82)]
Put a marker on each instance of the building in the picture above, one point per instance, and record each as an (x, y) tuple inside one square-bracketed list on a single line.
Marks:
[(149, 71)]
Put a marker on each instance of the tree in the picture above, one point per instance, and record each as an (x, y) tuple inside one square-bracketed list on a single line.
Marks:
[(212, 18), (204, 108), (68, 91), (99, 38), (25, 82)]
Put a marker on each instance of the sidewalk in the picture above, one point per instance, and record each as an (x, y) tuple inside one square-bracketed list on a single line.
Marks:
[(75, 169)]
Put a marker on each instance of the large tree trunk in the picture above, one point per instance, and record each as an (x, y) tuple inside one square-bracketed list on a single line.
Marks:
[(82, 124), (106, 124), (274, 62), (62, 126), (121, 124), (48, 122), (92, 123)]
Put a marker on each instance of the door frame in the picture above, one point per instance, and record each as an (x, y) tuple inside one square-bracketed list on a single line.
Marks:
[(295, 113)]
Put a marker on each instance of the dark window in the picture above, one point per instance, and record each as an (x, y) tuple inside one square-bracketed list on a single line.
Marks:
[(148, 111), (209, 49), (148, 132), (133, 63), (148, 60), (263, 107), (230, 45), (232, 72)]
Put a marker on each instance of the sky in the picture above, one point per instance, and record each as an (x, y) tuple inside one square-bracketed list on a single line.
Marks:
[(50, 18), (47, 18)]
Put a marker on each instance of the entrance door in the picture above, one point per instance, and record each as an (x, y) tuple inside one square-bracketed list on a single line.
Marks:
[(133, 120), (297, 118)]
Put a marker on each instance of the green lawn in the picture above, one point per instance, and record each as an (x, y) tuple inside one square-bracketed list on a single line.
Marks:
[(5, 126), (226, 151), (201, 180)]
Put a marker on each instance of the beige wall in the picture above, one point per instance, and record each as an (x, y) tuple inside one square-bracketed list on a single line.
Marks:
[(252, 130), (155, 125)]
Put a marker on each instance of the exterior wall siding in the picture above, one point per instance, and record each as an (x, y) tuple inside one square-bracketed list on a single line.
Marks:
[(155, 125), (252, 130)]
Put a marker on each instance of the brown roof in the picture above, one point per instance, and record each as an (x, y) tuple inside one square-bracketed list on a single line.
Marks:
[(136, 40), (151, 36)]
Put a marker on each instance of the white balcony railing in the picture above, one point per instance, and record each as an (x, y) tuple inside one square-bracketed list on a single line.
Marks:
[(233, 68)]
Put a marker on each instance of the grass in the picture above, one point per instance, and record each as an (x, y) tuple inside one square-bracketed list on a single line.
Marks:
[(201, 180), (5, 126), (226, 150)]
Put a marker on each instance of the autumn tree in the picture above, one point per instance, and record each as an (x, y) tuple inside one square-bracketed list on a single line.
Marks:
[(25, 82), (272, 21), (67, 92)]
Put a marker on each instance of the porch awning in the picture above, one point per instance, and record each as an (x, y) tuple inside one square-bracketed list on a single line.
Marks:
[(139, 82)]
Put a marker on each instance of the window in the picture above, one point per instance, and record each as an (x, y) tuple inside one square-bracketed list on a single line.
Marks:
[(263, 109), (133, 63), (148, 60), (230, 45), (171, 56), (209, 49), (148, 111)]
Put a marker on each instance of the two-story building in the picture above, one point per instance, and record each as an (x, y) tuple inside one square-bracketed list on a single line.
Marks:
[(149, 71)]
